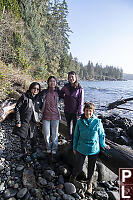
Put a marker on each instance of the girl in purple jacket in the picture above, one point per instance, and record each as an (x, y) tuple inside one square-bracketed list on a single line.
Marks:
[(73, 95)]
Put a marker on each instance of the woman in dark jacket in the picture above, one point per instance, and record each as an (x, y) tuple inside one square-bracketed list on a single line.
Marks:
[(27, 110), (73, 95)]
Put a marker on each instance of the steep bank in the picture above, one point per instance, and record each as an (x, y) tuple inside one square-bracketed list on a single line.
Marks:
[(13, 81)]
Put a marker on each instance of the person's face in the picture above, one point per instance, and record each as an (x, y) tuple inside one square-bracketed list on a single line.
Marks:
[(52, 83), (88, 113), (35, 90), (72, 78)]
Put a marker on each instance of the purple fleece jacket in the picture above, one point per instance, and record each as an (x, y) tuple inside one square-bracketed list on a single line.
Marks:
[(73, 99)]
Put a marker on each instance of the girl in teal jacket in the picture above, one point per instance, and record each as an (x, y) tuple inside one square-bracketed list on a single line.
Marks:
[(89, 137)]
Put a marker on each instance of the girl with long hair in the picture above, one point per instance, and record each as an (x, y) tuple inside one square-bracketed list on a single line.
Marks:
[(73, 95)]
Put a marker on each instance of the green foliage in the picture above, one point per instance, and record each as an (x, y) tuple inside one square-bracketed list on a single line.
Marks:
[(10, 5), (34, 36)]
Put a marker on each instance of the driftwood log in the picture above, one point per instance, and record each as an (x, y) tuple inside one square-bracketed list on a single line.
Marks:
[(6, 108), (117, 157), (118, 102)]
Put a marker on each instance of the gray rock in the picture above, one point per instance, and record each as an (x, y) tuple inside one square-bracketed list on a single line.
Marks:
[(42, 181), (22, 193), (101, 195), (20, 168), (68, 197), (113, 195), (105, 174), (70, 188), (49, 174), (1, 167), (2, 187), (10, 192), (8, 173), (52, 198), (29, 178), (60, 192), (61, 179)]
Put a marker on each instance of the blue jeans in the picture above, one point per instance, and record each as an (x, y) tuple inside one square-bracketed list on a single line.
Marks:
[(51, 140)]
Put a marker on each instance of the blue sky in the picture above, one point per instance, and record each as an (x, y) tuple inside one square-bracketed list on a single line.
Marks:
[(102, 32)]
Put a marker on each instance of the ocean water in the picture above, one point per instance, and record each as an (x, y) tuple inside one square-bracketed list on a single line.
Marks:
[(104, 92)]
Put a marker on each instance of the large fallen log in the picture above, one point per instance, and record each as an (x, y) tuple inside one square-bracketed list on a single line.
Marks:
[(118, 102), (115, 158)]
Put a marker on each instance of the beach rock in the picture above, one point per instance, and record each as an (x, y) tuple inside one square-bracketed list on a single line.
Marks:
[(49, 174), (10, 192), (101, 195), (42, 181), (61, 179), (113, 195), (105, 174), (1, 168), (22, 193), (29, 178), (70, 188)]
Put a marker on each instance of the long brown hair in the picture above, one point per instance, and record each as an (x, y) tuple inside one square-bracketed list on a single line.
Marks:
[(76, 84)]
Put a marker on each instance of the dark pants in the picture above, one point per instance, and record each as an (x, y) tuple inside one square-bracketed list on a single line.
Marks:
[(28, 144), (71, 120), (79, 161)]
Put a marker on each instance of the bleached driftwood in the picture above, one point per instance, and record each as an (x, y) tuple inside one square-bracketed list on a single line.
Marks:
[(118, 102), (6, 108)]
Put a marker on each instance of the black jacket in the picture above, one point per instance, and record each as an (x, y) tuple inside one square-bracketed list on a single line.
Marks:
[(25, 115)]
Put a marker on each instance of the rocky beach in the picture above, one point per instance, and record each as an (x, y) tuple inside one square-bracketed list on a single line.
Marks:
[(40, 176)]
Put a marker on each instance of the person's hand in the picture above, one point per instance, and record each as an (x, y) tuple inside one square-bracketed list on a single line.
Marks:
[(18, 125), (74, 151)]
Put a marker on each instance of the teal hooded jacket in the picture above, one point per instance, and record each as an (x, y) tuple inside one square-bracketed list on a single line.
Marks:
[(89, 136)]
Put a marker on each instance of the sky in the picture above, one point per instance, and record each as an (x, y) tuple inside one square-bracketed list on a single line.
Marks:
[(102, 32)]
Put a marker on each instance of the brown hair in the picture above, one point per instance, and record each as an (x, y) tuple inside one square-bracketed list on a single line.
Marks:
[(76, 84), (89, 105)]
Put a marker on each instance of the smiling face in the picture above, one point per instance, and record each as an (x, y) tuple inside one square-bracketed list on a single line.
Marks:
[(52, 83), (35, 90), (88, 113), (71, 78)]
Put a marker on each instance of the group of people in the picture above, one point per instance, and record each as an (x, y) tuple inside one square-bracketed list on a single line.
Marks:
[(88, 135)]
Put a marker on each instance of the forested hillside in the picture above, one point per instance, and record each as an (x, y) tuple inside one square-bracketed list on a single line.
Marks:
[(34, 37)]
